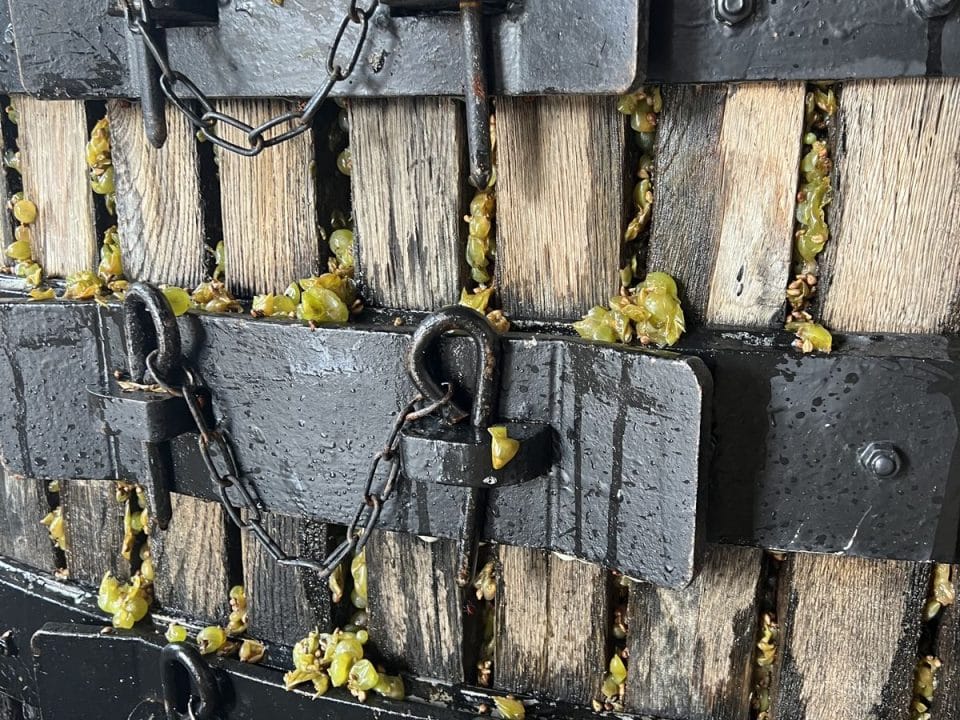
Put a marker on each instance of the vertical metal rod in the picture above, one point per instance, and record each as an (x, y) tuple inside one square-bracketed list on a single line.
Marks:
[(152, 100), (475, 92), (471, 525)]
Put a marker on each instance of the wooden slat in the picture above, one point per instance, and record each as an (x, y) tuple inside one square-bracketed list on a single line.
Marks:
[(551, 625), (271, 238), (560, 204), (407, 199), (52, 140), (269, 207), (560, 214), (23, 503), (192, 559), (151, 186), (895, 254), (403, 571), (849, 630), (407, 170), (918, 280), (285, 603), (691, 650), (93, 520)]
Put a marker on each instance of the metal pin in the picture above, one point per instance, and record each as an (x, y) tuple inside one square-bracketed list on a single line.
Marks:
[(475, 93)]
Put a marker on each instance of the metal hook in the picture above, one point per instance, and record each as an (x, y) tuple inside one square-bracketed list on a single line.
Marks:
[(201, 696), (150, 324), (458, 317)]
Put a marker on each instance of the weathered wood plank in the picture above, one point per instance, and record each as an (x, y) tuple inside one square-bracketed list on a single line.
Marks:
[(878, 603), (23, 503), (552, 625), (407, 199), (52, 139), (158, 196), (269, 207), (192, 558), (848, 643), (691, 650), (94, 525), (895, 254), (560, 206), (271, 238), (285, 603), (560, 215), (760, 141)]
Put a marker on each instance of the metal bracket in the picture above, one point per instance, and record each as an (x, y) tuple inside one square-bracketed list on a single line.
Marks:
[(628, 427)]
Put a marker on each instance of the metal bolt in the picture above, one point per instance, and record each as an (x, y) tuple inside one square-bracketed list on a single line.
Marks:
[(490, 480), (731, 12), (933, 8), (881, 458)]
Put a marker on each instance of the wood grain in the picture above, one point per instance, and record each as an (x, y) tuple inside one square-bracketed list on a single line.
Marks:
[(560, 212), (271, 238), (269, 207), (895, 254), (849, 630), (407, 199), (158, 198), (93, 520), (23, 503), (192, 560), (878, 603), (560, 204), (415, 605), (760, 140), (52, 139), (286, 603), (552, 621), (691, 650)]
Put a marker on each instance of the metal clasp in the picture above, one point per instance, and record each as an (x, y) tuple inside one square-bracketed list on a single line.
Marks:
[(189, 687), (446, 451)]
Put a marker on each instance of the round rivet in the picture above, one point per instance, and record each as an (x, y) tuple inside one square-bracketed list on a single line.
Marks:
[(490, 480), (881, 458), (933, 8), (732, 12)]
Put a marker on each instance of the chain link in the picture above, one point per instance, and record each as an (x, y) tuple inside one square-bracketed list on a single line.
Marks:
[(216, 449), (287, 125)]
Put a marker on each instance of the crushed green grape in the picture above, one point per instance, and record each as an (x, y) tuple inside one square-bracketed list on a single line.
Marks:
[(503, 448)]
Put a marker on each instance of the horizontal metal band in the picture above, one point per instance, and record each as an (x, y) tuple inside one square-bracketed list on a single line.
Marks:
[(603, 47), (307, 409)]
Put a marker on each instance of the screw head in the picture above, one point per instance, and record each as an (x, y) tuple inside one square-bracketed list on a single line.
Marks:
[(881, 458), (731, 12)]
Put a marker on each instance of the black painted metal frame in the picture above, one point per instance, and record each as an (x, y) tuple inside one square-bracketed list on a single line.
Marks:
[(795, 438), (74, 50)]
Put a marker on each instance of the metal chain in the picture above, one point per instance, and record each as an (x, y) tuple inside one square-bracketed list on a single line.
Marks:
[(298, 121), (215, 443)]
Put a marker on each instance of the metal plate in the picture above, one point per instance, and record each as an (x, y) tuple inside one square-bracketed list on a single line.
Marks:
[(307, 410), (811, 40), (73, 50)]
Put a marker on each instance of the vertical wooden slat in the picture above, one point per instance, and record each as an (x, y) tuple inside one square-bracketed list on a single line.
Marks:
[(93, 521), (52, 140), (271, 238), (545, 641), (893, 265), (560, 208), (23, 503), (152, 186), (691, 650), (560, 217), (407, 199), (269, 207)]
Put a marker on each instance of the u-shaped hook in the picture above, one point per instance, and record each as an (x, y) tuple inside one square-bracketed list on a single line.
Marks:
[(150, 324), (487, 344)]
